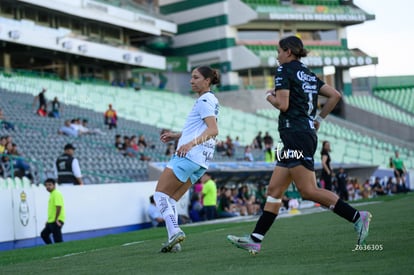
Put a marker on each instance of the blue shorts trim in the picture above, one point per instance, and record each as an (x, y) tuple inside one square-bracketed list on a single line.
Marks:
[(185, 169)]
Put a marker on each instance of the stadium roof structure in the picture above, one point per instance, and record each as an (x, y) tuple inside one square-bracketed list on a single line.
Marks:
[(319, 55), (76, 37), (219, 32), (311, 11)]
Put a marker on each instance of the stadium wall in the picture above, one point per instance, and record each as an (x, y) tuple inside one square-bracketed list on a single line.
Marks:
[(91, 211)]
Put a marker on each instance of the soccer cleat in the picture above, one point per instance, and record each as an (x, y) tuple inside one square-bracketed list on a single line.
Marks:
[(245, 243), (175, 239), (362, 226), (176, 248)]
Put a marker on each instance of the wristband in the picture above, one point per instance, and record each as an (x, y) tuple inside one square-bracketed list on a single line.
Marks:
[(267, 95), (319, 119)]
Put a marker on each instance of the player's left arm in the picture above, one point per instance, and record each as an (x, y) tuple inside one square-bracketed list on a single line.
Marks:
[(210, 132), (333, 97), (279, 99)]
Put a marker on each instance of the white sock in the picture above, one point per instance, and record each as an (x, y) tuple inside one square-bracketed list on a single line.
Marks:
[(258, 236), (163, 204), (173, 204)]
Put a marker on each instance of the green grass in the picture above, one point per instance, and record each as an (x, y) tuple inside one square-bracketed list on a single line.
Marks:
[(320, 243)]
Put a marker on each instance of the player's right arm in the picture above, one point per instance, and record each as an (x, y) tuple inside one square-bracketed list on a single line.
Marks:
[(169, 136)]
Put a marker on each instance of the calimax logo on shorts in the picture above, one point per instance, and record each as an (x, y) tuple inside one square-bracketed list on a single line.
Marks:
[(282, 153)]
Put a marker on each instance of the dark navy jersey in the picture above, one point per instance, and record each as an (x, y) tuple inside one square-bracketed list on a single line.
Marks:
[(304, 86)]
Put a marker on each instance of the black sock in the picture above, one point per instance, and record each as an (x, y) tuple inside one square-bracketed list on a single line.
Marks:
[(346, 211), (263, 224)]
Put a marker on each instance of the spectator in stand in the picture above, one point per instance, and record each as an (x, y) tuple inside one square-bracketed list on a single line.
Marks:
[(154, 214), (261, 195), (6, 164), (209, 192), (41, 99), (142, 143), (268, 147), (76, 124), (111, 118), (249, 200), (257, 142), (268, 140), (42, 111), (248, 156), (220, 147), (119, 145), (68, 130), (83, 128), (238, 204), (126, 144), (225, 207), (14, 164), (3, 142), (326, 165), (132, 148), (358, 189), (4, 123), (6, 146), (229, 147), (56, 108), (391, 187), (67, 167), (366, 190), (350, 189), (342, 178), (236, 142), (22, 167), (270, 155), (377, 187), (134, 151), (195, 208)]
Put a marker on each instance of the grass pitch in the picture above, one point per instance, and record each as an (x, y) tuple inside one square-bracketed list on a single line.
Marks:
[(320, 243)]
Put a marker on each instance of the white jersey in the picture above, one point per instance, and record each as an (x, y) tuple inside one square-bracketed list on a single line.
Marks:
[(206, 105)]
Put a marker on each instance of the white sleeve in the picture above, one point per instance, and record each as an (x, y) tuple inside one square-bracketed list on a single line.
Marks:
[(76, 169), (207, 107)]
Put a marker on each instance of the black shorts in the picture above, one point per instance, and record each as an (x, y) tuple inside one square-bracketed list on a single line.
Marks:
[(398, 173), (298, 148)]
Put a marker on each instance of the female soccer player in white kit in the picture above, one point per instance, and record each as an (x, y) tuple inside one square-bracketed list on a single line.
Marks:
[(195, 149)]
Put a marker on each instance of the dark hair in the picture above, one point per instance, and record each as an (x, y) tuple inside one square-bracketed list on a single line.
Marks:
[(52, 181), (151, 198), (294, 44), (323, 145), (211, 73)]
